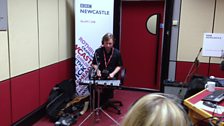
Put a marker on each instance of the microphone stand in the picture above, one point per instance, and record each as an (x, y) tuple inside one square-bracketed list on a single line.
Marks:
[(222, 62), (96, 110), (190, 72), (196, 64)]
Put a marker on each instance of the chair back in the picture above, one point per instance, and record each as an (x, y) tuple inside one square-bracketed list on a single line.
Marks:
[(122, 75)]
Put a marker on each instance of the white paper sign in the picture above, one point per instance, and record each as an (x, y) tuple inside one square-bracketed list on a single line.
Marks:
[(213, 45)]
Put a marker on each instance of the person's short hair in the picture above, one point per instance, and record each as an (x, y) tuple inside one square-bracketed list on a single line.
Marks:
[(107, 36), (156, 109)]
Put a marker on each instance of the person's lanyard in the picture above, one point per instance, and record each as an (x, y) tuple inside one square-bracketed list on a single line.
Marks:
[(105, 59)]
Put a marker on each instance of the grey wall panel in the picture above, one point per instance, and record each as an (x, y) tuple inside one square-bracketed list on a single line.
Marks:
[(3, 15), (174, 40), (172, 71), (175, 30)]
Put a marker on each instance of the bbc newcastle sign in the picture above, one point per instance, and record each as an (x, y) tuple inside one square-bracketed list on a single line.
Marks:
[(93, 18)]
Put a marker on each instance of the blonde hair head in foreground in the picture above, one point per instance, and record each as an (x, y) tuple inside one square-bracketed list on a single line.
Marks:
[(156, 109)]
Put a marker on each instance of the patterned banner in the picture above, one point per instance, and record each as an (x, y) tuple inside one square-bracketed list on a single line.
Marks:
[(93, 19)]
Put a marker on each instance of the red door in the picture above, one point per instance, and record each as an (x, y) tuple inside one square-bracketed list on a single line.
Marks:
[(141, 50)]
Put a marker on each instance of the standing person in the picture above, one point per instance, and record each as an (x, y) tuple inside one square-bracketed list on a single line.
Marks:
[(107, 62)]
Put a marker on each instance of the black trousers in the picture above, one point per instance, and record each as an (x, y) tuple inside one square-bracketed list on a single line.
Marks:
[(105, 95)]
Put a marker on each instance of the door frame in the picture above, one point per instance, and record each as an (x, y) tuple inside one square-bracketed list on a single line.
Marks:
[(166, 39)]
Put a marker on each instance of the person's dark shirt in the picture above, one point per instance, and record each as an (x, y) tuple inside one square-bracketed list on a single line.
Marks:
[(115, 60)]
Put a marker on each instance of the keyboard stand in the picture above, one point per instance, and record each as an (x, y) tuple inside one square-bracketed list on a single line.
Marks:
[(96, 111)]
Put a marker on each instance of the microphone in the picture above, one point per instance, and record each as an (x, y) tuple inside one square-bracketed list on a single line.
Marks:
[(200, 50), (196, 59)]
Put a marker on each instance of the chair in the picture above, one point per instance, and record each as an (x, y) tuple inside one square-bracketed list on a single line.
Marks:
[(116, 103)]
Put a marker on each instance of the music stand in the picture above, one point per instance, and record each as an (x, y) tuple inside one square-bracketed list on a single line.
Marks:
[(97, 110)]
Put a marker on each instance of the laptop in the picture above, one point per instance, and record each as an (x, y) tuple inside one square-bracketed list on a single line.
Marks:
[(221, 82), (216, 96)]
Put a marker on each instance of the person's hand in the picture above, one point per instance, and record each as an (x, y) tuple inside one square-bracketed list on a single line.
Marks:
[(98, 73), (111, 76)]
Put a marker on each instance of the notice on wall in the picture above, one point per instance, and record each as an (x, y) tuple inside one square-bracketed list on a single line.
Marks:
[(213, 45), (93, 19)]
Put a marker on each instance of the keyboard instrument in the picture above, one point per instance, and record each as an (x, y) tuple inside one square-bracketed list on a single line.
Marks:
[(101, 82)]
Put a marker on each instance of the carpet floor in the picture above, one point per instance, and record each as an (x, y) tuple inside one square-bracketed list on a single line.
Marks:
[(127, 98)]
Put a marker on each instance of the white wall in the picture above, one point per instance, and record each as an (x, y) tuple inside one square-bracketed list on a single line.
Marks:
[(66, 29), (196, 19), (40, 33), (23, 36), (4, 59), (48, 31), (219, 23)]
